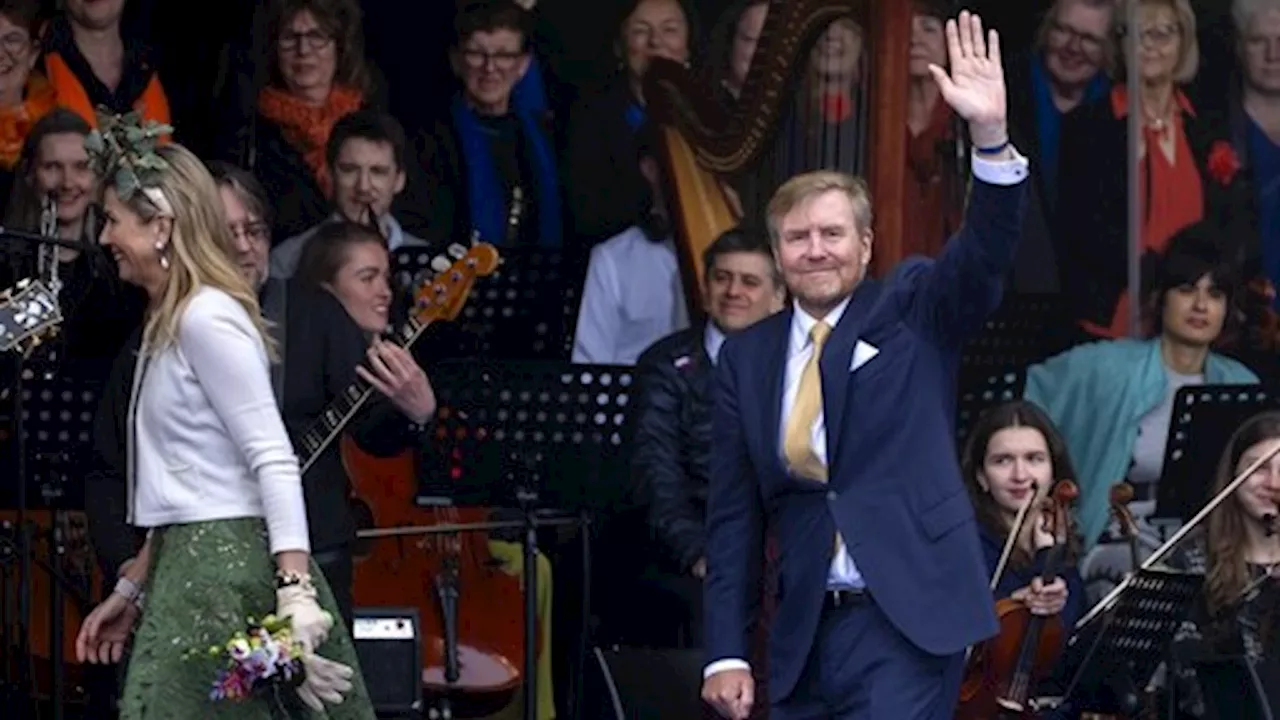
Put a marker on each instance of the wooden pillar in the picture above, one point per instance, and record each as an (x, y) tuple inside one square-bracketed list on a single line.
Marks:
[(890, 37)]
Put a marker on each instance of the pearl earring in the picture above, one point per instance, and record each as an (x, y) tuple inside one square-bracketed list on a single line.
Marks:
[(164, 259)]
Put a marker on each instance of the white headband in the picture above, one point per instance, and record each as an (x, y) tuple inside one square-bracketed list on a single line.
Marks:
[(157, 198)]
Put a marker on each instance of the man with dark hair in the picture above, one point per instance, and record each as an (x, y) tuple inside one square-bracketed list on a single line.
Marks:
[(671, 464), (366, 156), (492, 140)]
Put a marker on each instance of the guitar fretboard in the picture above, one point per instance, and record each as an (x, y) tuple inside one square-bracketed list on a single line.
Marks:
[(342, 408)]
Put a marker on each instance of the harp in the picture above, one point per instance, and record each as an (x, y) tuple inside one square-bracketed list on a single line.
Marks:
[(803, 106)]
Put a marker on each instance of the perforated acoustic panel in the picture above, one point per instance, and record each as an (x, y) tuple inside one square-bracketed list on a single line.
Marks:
[(561, 429), (526, 310)]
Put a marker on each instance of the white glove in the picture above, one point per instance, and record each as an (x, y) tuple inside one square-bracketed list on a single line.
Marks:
[(309, 622), (325, 681)]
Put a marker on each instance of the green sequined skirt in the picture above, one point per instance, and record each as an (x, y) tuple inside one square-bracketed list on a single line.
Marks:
[(206, 580)]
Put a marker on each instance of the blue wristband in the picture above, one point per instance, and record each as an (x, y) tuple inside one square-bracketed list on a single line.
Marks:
[(993, 149)]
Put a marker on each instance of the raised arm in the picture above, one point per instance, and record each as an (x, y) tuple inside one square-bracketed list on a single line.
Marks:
[(955, 294)]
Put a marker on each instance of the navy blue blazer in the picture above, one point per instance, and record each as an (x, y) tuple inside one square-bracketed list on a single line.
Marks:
[(894, 487)]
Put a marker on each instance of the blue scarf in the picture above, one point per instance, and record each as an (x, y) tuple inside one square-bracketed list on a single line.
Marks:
[(1049, 119), (486, 194)]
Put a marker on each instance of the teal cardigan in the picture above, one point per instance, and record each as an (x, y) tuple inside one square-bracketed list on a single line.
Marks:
[(1097, 395)]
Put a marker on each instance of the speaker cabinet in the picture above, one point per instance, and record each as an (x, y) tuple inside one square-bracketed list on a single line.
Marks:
[(390, 653), (625, 683)]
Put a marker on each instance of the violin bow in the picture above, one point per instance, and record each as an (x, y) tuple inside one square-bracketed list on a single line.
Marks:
[(1018, 522), (1105, 603)]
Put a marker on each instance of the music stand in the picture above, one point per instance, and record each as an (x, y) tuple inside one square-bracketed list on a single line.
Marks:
[(530, 435), (526, 310), (1024, 330), (1112, 659), (57, 405), (979, 395), (1202, 421)]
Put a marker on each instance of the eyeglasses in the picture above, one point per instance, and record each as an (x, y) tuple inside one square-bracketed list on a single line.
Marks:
[(1156, 36), (503, 59), (255, 231), (1065, 35), (314, 40)]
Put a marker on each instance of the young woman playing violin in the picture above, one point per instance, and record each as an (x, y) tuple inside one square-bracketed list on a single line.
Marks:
[(1239, 554), (1016, 467), (1015, 456)]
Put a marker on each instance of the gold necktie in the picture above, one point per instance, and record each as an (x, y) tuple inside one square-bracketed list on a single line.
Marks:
[(797, 443)]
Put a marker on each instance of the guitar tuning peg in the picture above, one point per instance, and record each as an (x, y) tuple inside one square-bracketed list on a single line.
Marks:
[(440, 263), (457, 251)]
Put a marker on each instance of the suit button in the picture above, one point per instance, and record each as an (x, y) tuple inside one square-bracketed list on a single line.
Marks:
[(831, 495)]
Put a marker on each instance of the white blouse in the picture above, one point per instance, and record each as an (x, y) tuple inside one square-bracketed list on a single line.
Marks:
[(207, 441)]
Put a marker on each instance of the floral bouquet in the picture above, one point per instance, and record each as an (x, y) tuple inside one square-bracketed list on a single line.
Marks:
[(262, 658)]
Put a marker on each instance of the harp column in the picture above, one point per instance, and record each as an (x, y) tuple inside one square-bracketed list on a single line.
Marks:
[(890, 34)]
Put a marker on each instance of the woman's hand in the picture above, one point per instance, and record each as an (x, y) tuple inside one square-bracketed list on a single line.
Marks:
[(397, 375), (105, 633), (1043, 599)]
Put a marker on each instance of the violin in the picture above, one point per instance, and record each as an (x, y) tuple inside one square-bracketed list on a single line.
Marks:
[(1121, 495), (1003, 671)]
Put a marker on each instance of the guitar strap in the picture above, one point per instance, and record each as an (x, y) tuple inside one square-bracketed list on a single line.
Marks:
[(275, 309)]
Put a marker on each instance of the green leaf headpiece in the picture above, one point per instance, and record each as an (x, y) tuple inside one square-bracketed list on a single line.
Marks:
[(123, 151)]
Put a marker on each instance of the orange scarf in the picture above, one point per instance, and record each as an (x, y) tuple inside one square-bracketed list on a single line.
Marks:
[(307, 127), (16, 121)]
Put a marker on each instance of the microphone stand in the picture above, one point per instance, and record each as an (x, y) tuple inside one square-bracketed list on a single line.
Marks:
[(25, 679)]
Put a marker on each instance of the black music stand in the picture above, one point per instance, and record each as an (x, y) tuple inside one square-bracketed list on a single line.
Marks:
[(1113, 658), (526, 310), (531, 435), (981, 394), (57, 403), (1024, 330), (1202, 421)]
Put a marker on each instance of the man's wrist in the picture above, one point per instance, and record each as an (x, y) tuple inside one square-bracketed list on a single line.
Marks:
[(990, 138)]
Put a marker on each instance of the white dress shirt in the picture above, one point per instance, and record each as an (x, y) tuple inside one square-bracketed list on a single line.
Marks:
[(206, 439), (712, 341), (632, 298), (843, 573)]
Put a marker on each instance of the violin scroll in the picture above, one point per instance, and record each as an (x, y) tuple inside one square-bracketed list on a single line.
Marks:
[(1121, 495)]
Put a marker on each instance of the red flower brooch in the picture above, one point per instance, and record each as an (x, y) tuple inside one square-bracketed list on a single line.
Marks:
[(1223, 162)]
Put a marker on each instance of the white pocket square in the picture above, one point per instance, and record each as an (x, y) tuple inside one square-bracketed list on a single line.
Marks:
[(862, 354)]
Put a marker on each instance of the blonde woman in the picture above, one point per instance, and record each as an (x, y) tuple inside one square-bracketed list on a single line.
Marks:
[(211, 472)]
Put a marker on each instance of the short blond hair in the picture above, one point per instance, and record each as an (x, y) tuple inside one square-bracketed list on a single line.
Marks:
[(1188, 46), (807, 186)]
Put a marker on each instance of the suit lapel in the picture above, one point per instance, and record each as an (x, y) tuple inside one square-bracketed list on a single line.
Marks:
[(836, 356)]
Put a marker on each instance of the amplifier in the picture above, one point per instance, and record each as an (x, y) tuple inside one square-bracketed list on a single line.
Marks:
[(390, 653), (627, 683)]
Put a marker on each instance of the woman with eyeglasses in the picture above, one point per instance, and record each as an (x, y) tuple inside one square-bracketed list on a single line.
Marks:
[(1188, 171)]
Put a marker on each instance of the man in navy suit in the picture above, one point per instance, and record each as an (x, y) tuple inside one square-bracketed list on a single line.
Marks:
[(833, 426)]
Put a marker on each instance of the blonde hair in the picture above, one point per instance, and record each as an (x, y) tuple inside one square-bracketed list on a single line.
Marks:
[(200, 246), (1188, 64), (1244, 11), (807, 186)]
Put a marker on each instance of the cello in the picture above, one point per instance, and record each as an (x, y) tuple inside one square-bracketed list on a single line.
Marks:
[(1002, 672)]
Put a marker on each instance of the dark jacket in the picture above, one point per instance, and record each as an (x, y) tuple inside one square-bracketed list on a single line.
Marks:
[(604, 190), (1092, 209), (671, 461), (323, 348)]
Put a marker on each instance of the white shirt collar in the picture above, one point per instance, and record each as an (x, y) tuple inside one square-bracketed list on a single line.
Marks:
[(712, 341), (802, 323)]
